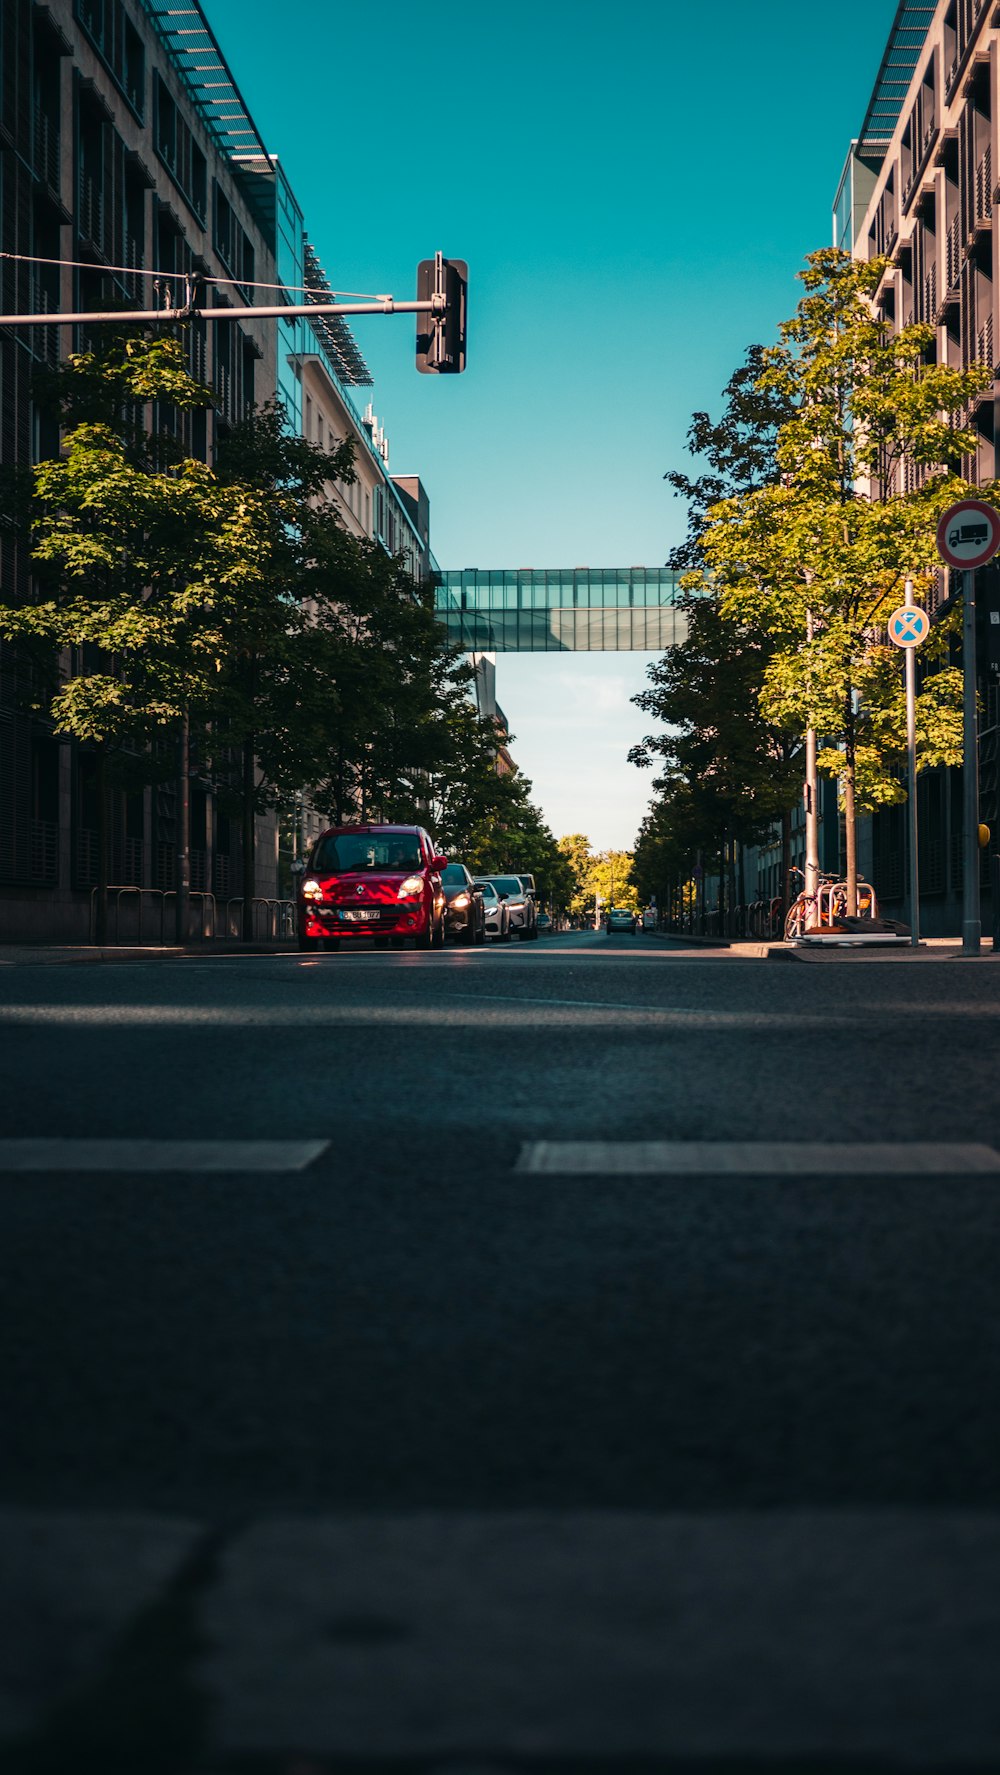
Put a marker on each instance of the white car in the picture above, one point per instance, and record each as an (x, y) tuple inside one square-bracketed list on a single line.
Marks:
[(519, 902), (497, 916)]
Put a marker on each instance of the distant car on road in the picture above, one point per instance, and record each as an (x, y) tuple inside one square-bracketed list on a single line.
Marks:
[(465, 912), (543, 923), (649, 919), (619, 919), (520, 905)]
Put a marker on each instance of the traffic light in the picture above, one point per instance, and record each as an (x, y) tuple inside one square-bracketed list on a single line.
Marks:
[(441, 335)]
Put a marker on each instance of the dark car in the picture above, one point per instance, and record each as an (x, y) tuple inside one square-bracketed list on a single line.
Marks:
[(465, 914), (620, 919), (381, 882)]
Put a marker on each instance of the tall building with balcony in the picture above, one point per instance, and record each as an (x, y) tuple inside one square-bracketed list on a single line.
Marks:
[(130, 163), (921, 187)]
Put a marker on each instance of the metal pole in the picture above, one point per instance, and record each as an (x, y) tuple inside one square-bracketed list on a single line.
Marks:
[(282, 311), (910, 665), (182, 907), (810, 799), (971, 923)]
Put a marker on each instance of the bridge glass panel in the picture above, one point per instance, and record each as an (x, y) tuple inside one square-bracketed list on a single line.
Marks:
[(570, 609)]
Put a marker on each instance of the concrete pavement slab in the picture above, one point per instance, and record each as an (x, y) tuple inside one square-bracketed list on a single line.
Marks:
[(71, 1582), (590, 1634)]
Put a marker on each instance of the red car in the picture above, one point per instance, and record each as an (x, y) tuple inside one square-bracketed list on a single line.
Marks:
[(372, 881)]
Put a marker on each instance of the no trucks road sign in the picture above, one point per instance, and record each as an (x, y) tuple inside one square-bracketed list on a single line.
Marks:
[(968, 534)]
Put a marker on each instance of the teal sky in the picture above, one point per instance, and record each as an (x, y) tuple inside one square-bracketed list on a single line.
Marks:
[(634, 189)]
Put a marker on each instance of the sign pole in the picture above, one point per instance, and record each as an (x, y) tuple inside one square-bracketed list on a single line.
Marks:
[(968, 535), (908, 627), (971, 922), (910, 664), (811, 802)]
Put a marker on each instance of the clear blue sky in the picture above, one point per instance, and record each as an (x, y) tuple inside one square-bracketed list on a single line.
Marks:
[(634, 188)]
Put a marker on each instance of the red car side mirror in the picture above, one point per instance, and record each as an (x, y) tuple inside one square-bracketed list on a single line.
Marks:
[(439, 863)]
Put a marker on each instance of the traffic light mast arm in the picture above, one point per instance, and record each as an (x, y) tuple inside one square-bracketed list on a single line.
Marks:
[(387, 305)]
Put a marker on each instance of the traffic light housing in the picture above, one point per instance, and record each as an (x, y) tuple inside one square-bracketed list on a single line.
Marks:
[(441, 335)]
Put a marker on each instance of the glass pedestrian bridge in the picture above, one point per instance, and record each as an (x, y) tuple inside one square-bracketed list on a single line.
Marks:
[(560, 609)]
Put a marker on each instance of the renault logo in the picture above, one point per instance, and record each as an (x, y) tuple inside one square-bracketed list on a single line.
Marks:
[(359, 890)]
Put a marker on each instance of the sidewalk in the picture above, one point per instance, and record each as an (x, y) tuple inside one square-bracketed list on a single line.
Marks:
[(753, 949), (928, 949), (63, 954)]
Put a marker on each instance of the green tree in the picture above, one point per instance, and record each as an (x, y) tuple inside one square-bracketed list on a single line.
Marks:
[(473, 801), (740, 768), (610, 877), (138, 560), (738, 452), (273, 699), (577, 850), (524, 844), (831, 545)]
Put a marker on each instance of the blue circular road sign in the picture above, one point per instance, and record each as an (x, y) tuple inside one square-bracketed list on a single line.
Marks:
[(909, 625)]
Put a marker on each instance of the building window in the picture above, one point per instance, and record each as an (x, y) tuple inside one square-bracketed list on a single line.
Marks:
[(176, 148), (232, 242), (119, 46)]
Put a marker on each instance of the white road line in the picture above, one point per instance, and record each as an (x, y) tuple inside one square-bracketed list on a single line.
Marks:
[(582, 1004), (741, 1158), (159, 1155)]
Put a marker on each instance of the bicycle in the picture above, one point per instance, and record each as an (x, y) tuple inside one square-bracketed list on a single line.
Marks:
[(821, 911)]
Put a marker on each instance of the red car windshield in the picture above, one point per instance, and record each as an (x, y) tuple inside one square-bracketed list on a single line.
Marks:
[(350, 853)]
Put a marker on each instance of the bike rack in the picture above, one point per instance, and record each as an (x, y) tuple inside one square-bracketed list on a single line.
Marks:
[(273, 920)]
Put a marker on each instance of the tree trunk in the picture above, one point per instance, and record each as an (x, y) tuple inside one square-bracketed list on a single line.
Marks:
[(103, 833), (249, 838), (182, 908), (723, 898), (741, 865)]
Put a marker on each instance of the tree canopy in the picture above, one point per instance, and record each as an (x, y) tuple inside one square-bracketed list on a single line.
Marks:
[(828, 547)]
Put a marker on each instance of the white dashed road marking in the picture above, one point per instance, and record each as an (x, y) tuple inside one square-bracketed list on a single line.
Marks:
[(159, 1155), (740, 1158)]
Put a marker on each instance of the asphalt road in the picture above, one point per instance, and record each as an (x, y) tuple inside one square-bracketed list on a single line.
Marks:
[(419, 1459)]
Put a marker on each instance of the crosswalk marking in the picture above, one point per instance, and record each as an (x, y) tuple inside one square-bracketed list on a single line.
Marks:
[(159, 1155), (742, 1158)]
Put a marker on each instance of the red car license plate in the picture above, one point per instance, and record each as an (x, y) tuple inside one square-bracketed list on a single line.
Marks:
[(359, 917)]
